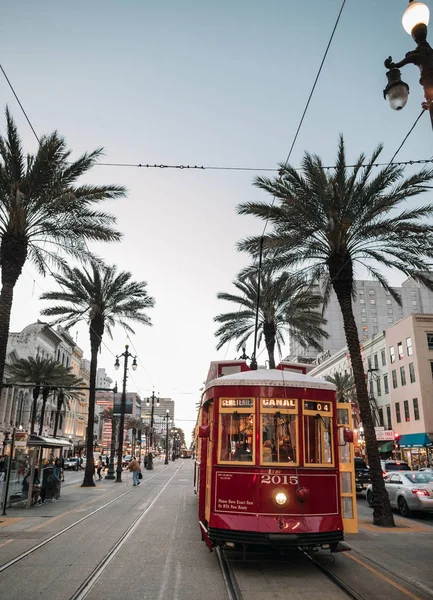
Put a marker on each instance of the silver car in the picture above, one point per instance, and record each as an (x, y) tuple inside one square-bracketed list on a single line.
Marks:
[(407, 491)]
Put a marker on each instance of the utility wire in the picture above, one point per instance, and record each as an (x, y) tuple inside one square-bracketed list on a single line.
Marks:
[(20, 105)]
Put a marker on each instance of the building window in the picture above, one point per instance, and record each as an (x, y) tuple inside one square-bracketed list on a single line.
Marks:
[(361, 292), (363, 310), (389, 301), (411, 373), (414, 302), (371, 389), (379, 389), (383, 357), (409, 346), (390, 311), (406, 410), (386, 384), (390, 320), (430, 341), (388, 417), (369, 363), (403, 376), (363, 319), (374, 319), (431, 368), (415, 409), (392, 354), (372, 301), (364, 328), (380, 411), (397, 412), (371, 292), (364, 337), (394, 379), (375, 329), (400, 350), (362, 301)]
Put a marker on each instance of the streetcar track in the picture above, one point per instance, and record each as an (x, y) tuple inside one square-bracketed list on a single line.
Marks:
[(93, 578), (232, 587), (23, 555)]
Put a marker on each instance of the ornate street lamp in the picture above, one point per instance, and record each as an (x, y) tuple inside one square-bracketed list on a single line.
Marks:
[(125, 355), (110, 473), (167, 420), (150, 401), (415, 21)]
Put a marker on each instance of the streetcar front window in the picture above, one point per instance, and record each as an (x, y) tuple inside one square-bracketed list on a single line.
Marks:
[(236, 441), (279, 443), (317, 439)]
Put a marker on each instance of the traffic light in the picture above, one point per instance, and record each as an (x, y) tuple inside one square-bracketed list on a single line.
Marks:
[(396, 437)]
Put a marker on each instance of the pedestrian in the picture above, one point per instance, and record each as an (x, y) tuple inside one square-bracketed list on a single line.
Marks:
[(35, 488), (63, 467), (57, 477), (99, 468), (134, 467), (80, 463)]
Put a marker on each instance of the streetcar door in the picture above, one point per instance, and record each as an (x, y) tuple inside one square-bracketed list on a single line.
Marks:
[(347, 469), (210, 444)]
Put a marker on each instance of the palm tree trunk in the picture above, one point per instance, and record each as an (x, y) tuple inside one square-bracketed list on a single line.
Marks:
[(270, 333), (13, 254), (342, 282), (96, 330), (45, 393), (60, 399), (36, 391)]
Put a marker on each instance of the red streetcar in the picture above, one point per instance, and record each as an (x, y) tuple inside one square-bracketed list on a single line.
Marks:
[(266, 468)]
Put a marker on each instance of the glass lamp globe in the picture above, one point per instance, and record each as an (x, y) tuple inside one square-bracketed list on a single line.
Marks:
[(397, 96), (417, 13)]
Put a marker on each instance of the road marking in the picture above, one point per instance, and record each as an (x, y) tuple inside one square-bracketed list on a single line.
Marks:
[(384, 577), (10, 521), (5, 542)]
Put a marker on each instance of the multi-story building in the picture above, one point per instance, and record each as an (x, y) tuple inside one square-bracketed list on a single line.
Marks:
[(398, 364), (41, 340), (374, 309)]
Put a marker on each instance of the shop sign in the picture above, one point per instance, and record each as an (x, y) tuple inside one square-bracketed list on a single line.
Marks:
[(384, 435)]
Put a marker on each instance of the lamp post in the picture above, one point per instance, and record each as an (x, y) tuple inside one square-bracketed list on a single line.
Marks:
[(110, 473), (150, 401), (125, 355), (415, 21), (167, 450)]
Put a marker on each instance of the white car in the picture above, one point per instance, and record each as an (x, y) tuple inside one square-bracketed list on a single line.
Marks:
[(408, 491)]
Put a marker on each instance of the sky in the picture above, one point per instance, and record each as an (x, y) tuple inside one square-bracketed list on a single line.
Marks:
[(197, 83)]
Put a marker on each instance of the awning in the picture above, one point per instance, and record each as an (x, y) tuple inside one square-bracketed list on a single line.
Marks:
[(415, 440), (386, 447), (47, 442)]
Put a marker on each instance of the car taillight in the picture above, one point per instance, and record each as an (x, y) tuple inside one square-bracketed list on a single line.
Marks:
[(420, 492)]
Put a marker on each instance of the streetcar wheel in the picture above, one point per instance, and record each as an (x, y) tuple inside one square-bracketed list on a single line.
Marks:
[(403, 507), (370, 499)]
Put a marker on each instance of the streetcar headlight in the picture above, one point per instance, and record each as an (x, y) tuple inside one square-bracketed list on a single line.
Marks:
[(281, 498)]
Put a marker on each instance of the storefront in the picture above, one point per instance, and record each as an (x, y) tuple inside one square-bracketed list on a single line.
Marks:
[(416, 449)]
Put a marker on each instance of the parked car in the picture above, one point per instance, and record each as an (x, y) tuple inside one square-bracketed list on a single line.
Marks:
[(408, 491), (394, 465), (362, 475), (72, 464)]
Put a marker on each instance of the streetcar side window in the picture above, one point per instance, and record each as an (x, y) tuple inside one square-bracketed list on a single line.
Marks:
[(236, 437), (318, 439)]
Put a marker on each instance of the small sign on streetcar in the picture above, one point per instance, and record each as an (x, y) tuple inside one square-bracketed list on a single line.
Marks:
[(237, 402), (317, 406)]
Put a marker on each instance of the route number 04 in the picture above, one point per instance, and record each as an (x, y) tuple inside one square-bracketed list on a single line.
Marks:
[(278, 479)]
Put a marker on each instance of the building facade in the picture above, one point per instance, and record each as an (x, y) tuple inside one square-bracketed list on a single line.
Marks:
[(375, 310), (398, 364)]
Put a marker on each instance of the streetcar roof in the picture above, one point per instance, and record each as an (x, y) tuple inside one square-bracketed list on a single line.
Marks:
[(272, 377)]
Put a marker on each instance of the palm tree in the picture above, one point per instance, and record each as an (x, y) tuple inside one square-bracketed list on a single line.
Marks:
[(345, 384), (43, 373), (327, 222), (42, 212), (65, 394), (286, 305), (103, 298)]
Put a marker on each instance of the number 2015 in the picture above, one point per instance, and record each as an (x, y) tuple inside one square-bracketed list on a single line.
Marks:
[(280, 479)]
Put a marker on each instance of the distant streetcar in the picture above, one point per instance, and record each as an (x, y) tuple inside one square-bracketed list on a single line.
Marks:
[(266, 459)]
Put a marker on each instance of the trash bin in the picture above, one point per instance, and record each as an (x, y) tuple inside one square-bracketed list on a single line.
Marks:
[(48, 482)]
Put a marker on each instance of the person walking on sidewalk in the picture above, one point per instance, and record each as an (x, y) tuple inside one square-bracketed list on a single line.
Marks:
[(99, 468), (134, 467), (57, 477)]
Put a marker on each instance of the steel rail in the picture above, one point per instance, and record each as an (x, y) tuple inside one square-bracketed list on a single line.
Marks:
[(333, 577), (232, 587), (23, 555), (95, 575)]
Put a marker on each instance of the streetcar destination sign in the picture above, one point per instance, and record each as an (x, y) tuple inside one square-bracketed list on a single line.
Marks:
[(237, 402), (278, 403)]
